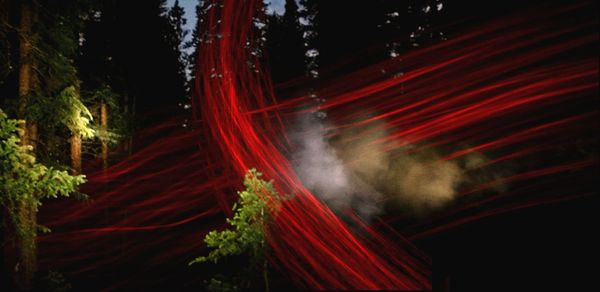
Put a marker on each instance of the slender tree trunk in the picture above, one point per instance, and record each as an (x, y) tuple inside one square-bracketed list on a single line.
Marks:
[(104, 138), (76, 147), (27, 266), (25, 60), (8, 244), (25, 262), (76, 153)]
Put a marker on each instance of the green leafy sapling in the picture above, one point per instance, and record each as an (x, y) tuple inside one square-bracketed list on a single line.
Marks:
[(247, 228)]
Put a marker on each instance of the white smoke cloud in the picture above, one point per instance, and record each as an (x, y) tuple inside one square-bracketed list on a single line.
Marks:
[(352, 171), (326, 175)]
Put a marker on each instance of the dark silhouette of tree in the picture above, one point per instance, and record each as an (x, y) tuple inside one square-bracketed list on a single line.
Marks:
[(344, 29), (142, 49), (193, 47), (285, 44), (309, 34), (176, 39)]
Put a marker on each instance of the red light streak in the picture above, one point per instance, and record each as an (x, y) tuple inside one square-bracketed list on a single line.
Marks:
[(498, 88)]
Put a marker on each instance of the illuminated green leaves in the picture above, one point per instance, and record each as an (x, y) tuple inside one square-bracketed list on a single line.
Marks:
[(246, 234), (22, 179)]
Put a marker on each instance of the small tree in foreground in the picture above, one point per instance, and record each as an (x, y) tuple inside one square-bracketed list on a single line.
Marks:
[(246, 235), (23, 185)]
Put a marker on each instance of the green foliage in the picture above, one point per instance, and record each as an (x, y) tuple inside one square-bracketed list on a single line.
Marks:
[(64, 110), (256, 204), (119, 121), (55, 40), (23, 181), (58, 118), (54, 103), (105, 94), (75, 115)]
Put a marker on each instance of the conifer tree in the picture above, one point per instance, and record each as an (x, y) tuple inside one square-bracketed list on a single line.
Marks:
[(177, 23), (285, 44), (193, 45)]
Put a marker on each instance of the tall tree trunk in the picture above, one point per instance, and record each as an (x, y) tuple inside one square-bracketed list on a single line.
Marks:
[(8, 246), (24, 262), (76, 153), (104, 138), (27, 243), (76, 146), (25, 60)]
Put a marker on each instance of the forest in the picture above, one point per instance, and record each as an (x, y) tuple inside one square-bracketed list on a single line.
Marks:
[(229, 145)]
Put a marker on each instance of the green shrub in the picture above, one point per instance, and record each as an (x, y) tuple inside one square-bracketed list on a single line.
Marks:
[(23, 181), (246, 234)]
